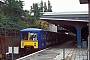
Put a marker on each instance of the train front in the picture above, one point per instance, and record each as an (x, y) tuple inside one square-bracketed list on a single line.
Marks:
[(28, 39)]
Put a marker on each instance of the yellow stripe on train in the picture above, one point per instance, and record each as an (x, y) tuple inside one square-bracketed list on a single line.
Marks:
[(29, 43)]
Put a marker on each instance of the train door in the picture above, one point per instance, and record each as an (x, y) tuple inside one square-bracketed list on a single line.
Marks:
[(42, 39), (33, 39)]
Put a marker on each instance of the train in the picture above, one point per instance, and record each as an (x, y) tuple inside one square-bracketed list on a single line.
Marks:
[(34, 38)]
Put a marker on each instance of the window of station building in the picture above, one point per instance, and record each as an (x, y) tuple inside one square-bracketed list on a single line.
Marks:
[(33, 36), (25, 36)]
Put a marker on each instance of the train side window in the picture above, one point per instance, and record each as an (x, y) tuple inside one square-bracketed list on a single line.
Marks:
[(43, 36), (48, 36)]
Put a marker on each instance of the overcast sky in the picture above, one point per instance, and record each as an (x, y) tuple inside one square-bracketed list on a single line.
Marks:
[(60, 5)]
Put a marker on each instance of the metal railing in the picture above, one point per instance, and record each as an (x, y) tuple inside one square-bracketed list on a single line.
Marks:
[(74, 54)]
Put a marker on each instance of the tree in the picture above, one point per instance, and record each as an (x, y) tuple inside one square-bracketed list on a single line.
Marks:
[(41, 6), (45, 7), (13, 7), (37, 10), (13, 10), (42, 24), (25, 16), (49, 6)]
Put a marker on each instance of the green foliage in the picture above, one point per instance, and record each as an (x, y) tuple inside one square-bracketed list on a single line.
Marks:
[(49, 6), (45, 7), (35, 10), (12, 7), (13, 10), (7, 23), (41, 6), (38, 10), (42, 24)]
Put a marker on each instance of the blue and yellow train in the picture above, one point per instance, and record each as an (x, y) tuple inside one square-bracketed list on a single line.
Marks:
[(37, 38), (33, 38)]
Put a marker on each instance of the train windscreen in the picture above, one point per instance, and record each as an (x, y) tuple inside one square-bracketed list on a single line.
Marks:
[(33, 36), (25, 36)]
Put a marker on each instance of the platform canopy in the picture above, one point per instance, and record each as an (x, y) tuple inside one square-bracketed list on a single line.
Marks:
[(83, 1)]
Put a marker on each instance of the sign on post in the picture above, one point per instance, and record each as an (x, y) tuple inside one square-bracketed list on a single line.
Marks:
[(16, 50)]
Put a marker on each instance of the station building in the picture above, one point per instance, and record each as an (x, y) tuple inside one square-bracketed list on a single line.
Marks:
[(74, 22)]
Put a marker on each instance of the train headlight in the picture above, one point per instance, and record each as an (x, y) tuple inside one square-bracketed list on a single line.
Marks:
[(22, 44), (34, 44)]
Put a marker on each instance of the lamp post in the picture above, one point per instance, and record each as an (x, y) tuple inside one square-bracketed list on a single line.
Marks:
[(89, 32), (12, 50), (63, 54)]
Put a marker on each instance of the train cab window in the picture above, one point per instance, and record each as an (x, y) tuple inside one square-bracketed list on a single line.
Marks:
[(33, 36), (25, 36)]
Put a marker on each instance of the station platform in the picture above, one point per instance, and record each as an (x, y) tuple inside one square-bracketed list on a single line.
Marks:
[(66, 51)]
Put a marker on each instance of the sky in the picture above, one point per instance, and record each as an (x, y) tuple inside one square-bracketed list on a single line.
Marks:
[(59, 5)]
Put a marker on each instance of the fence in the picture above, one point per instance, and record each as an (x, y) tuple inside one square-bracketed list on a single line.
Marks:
[(8, 37), (72, 54)]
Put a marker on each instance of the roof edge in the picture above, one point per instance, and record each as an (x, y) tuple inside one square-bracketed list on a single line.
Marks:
[(64, 19)]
